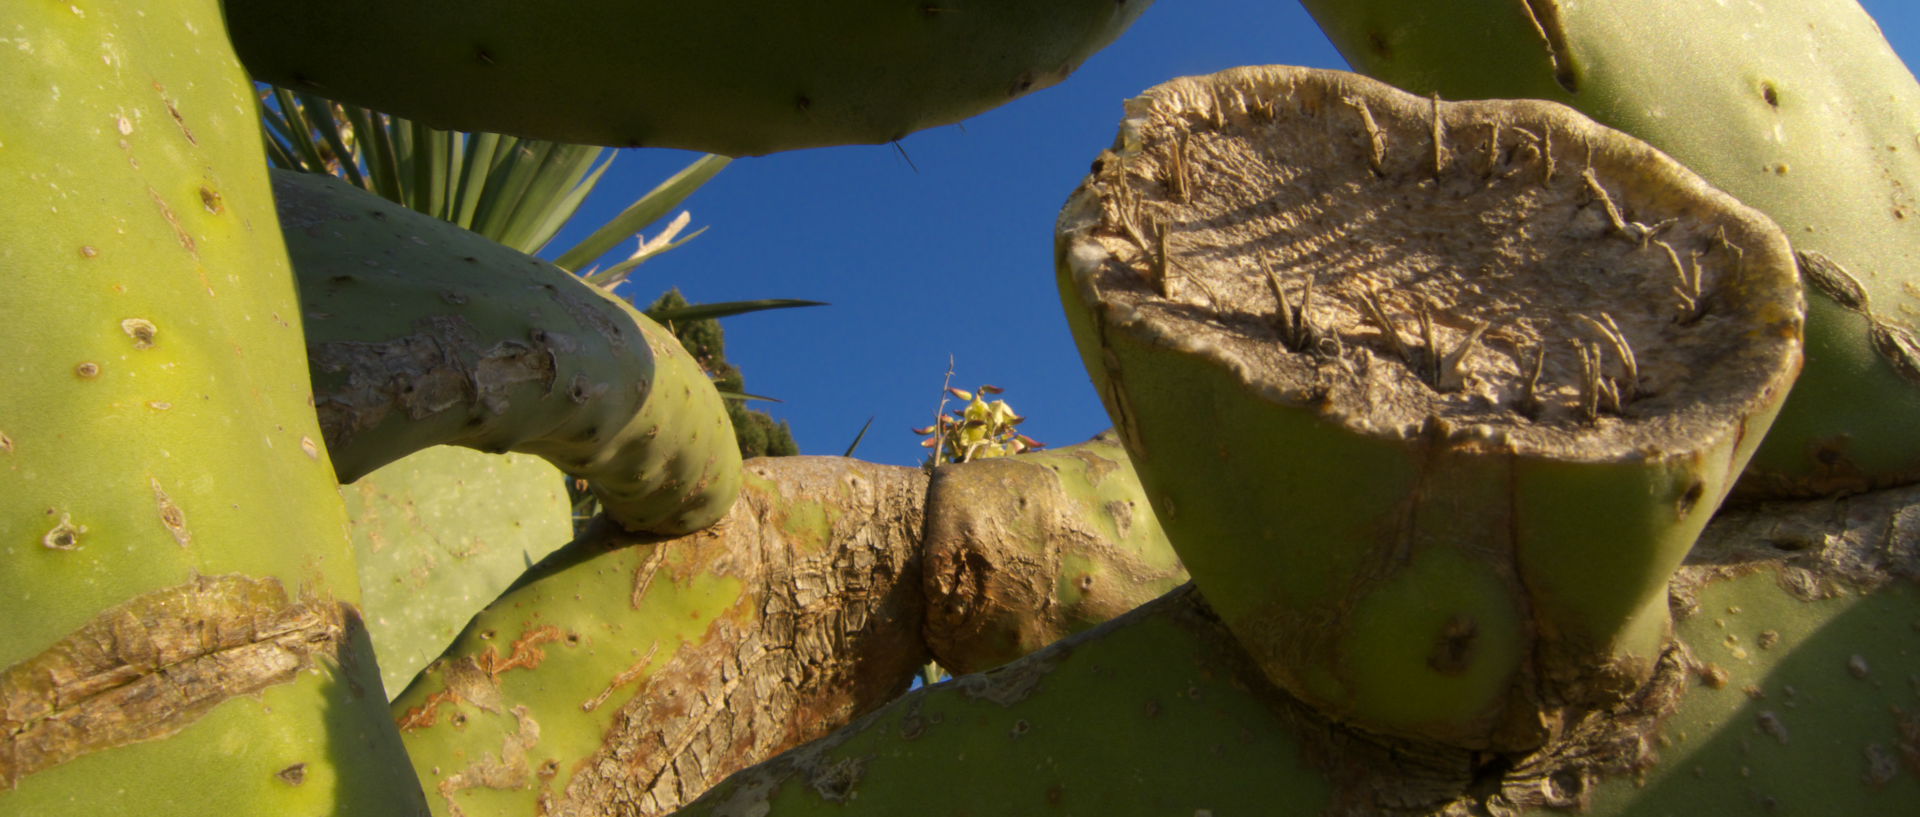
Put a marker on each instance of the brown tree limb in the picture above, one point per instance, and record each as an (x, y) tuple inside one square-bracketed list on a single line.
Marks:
[(627, 674)]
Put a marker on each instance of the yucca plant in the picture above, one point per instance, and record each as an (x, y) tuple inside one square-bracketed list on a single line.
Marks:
[(518, 192)]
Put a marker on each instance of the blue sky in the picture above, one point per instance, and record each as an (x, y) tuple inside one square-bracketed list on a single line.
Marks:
[(951, 255)]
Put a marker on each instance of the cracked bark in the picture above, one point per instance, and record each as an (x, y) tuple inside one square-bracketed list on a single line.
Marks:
[(828, 631), (831, 619)]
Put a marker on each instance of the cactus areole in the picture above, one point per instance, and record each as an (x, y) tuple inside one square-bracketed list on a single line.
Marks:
[(734, 78), (1432, 398)]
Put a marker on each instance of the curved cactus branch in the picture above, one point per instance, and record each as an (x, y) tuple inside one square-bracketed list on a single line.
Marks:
[(630, 673), (423, 334)]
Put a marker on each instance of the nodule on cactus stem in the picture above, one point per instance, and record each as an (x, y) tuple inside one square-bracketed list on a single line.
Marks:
[(1431, 397), (752, 79), (423, 334), (1021, 551)]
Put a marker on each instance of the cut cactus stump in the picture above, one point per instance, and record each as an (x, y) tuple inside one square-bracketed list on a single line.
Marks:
[(1432, 398)]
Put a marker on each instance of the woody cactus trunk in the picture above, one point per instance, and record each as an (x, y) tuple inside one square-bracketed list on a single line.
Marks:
[(1438, 401)]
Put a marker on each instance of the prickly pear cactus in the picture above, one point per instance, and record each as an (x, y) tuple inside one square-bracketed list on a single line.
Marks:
[(438, 535), (177, 583), (675, 73), (1432, 398), (425, 334), (1797, 107)]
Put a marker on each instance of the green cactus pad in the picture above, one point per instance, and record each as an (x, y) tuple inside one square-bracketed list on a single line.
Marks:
[(743, 80), (624, 675), (424, 334), (439, 534), (176, 581), (1797, 107), (1431, 397), (1023, 551)]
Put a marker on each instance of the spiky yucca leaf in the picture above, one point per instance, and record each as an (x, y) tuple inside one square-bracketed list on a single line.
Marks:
[(519, 192)]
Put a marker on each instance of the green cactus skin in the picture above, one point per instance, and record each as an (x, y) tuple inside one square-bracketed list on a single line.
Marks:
[(624, 675), (1023, 551), (674, 73), (1801, 626), (177, 582), (1799, 108), (1157, 712), (438, 535), (757, 432), (421, 333), (1465, 563), (1793, 688)]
